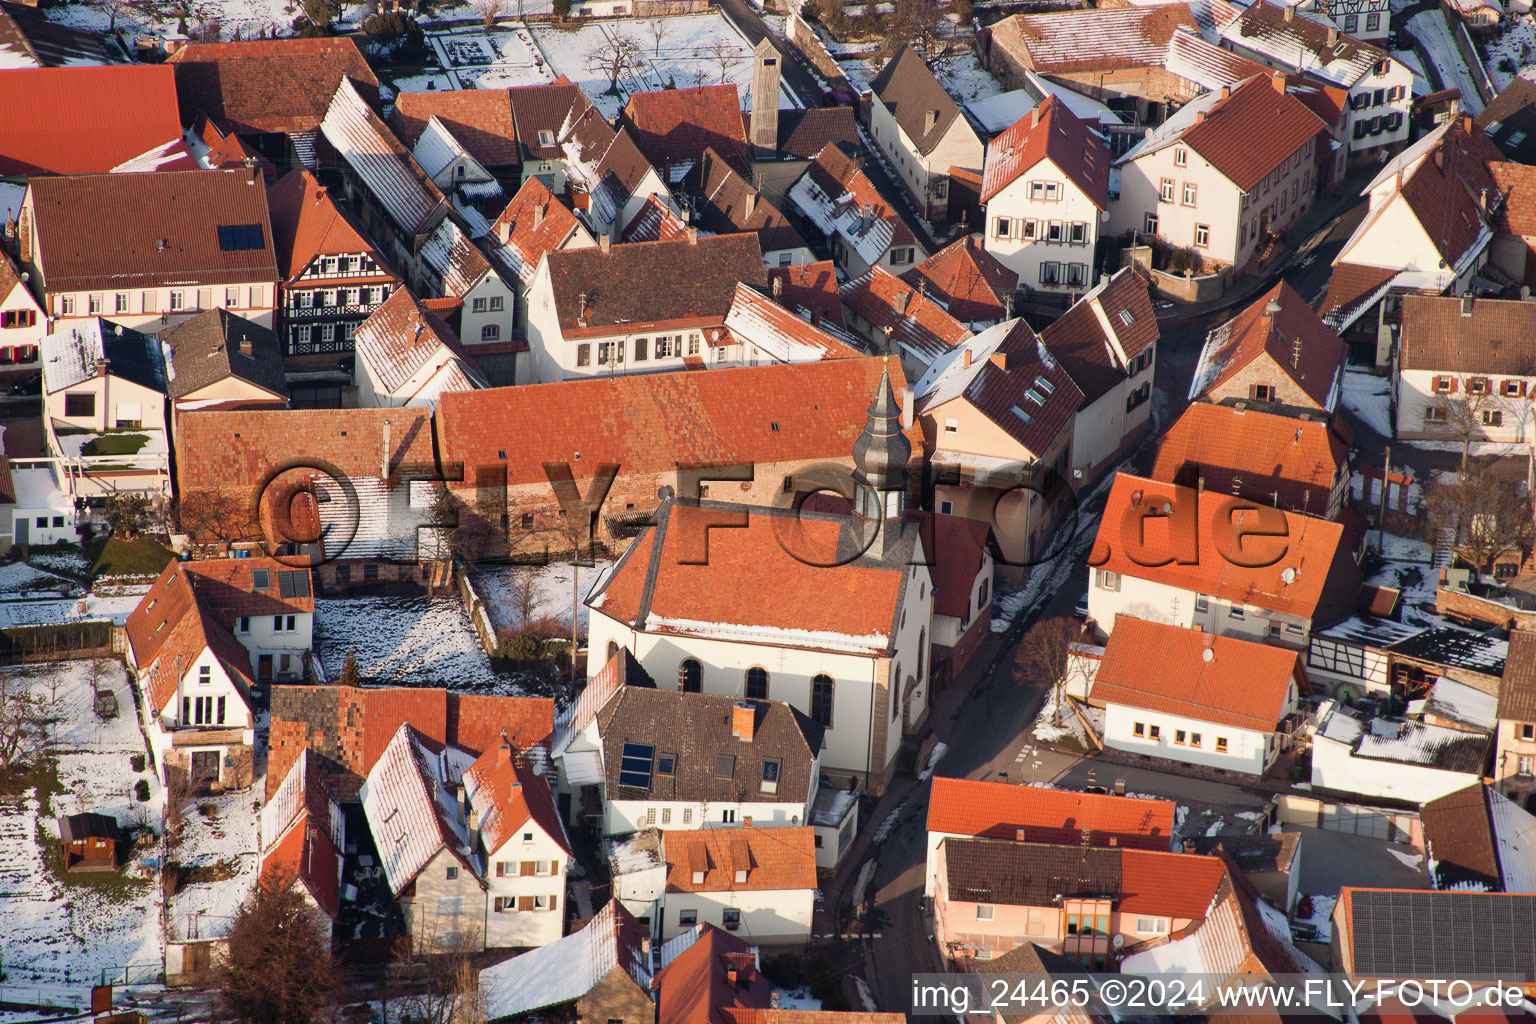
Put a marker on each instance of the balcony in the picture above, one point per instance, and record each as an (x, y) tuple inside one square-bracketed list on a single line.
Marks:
[(318, 312)]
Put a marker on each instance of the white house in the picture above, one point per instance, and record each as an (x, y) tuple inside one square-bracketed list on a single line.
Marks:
[(450, 266), (406, 355), (1198, 697), (760, 882), (104, 408), (1393, 758), (918, 126), (23, 321), (859, 224), (472, 848), (1166, 554), (1224, 174), (1289, 38), (34, 509), (1370, 20), (1046, 191), (1464, 367)]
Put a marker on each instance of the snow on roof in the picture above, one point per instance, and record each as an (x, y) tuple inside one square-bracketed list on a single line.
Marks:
[(1306, 41), (410, 811), (566, 969), (391, 174), (866, 228), (171, 153), (436, 148), (677, 945), (369, 522), (948, 376), (1514, 831), (1462, 703), (1369, 631), (450, 253), (1406, 742), (72, 354), (779, 333), (996, 113)]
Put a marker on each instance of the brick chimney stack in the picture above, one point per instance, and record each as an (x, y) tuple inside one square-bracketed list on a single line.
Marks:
[(743, 720)]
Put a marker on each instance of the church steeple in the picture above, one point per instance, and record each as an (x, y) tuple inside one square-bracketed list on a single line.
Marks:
[(880, 457)]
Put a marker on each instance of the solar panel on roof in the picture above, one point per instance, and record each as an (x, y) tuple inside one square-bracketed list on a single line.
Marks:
[(238, 237), (293, 584), (635, 765)]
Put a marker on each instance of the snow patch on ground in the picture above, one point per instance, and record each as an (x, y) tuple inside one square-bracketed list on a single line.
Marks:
[(889, 824), (1407, 860), (1433, 32), (861, 884), (1516, 44), (406, 641), (1321, 917), (499, 587), (1369, 397), (226, 840), (866, 997), (939, 750)]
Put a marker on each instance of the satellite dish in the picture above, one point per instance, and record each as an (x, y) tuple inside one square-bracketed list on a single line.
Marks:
[(1117, 941), (1135, 498), (1288, 575), (1167, 508), (664, 492), (1207, 655)]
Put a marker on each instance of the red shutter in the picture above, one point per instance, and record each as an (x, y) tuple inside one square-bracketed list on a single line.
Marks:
[(1455, 385)]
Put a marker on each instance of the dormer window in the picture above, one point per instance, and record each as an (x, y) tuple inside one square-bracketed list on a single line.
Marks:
[(698, 878), (741, 876), (546, 137)]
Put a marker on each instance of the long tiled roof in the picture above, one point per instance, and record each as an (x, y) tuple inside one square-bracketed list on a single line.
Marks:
[(76, 255), (714, 980), (778, 333), (918, 323), (507, 793), (1001, 810), (774, 859), (400, 337), (729, 203), (810, 289), (269, 85), (1493, 336), (1094, 40), (912, 94), (1303, 40), (1306, 568), (1198, 676), (410, 807), (570, 967), (1517, 691), (386, 167), (674, 126), (1049, 132), (88, 120)]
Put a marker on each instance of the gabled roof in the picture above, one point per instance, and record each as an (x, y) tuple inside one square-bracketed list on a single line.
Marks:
[(809, 289), (568, 968), (146, 249), (299, 837), (1210, 66), (688, 282), (411, 808), (957, 553), (729, 203), (216, 149), (532, 224), (753, 587), (1517, 691), (1415, 933), (971, 282), (716, 980), (1199, 676), (211, 347), (1007, 374), (1323, 580), (479, 119), (1467, 336), (455, 260), (1459, 839), (73, 354), (1051, 132), (88, 120), (654, 222), (1287, 461), (1294, 338), (1516, 215), (1222, 127), (401, 336), (840, 199), (1352, 288), (803, 133), (394, 178), (178, 645), (1510, 119), (697, 730), (556, 108), (774, 859), (1303, 40), (673, 127), (1104, 330), (507, 793), (269, 85), (1094, 40), (1174, 885), (628, 418), (307, 222), (918, 324), (779, 334), (912, 95), (1001, 810), (29, 40)]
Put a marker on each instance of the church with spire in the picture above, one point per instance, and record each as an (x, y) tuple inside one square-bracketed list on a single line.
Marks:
[(828, 606)]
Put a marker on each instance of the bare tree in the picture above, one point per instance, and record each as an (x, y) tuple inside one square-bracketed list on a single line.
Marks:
[(215, 514), (725, 56), (1044, 654), (1486, 511), (490, 10), (279, 968), (451, 993), (656, 28), (615, 55), (1469, 413), (24, 720), (113, 9), (527, 601)]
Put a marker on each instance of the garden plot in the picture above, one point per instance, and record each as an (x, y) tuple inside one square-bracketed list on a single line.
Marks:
[(1512, 52), (406, 641), (548, 587), (219, 857), (688, 50), (61, 932), (473, 58)]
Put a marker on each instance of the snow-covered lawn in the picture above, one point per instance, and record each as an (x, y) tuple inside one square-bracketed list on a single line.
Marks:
[(1433, 32), (221, 836), (20, 580), (405, 641), (69, 933), (116, 607), (1070, 731), (1368, 396), (499, 59), (1515, 44), (66, 559), (688, 50), (965, 79), (1417, 582), (500, 585)]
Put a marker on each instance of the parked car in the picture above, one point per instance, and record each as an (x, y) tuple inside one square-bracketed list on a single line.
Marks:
[(837, 98), (1081, 608), (31, 384)]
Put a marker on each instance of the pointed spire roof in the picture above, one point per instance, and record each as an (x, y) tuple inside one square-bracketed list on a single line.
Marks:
[(881, 451)]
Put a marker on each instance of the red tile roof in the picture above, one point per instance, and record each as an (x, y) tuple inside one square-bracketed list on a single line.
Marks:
[(629, 419), (88, 120), (506, 793), (956, 548), (655, 222), (1093, 40), (1278, 460), (779, 334), (269, 85), (773, 858), (479, 119), (1297, 341), (305, 854), (918, 324), (1254, 110), (807, 288), (971, 282), (182, 643), (1175, 884), (1001, 810), (226, 150), (307, 222), (1352, 284), (400, 337), (1104, 330), (696, 988), (675, 126), (533, 223), (1198, 676), (1051, 132), (1323, 579), (1517, 184)]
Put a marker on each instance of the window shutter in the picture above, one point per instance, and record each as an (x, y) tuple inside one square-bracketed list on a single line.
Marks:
[(525, 868), (525, 903), (1522, 389), (1455, 385), (553, 902)]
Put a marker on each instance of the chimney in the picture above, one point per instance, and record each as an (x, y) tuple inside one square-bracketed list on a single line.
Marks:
[(751, 203), (384, 466), (743, 720), (693, 235), (1290, 13), (1333, 37), (1226, 91), (603, 240), (1482, 200), (1439, 158), (1000, 360), (1466, 304), (504, 230), (778, 286), (1199, 116), (907, 408), (1034, 116), (245, 346), (746, 822), (1018, 835), (538, 215), (1466, 123), (1114, 840), (931, 120), (504, 749), (966, 365), (1277, 79), (102, 367)]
